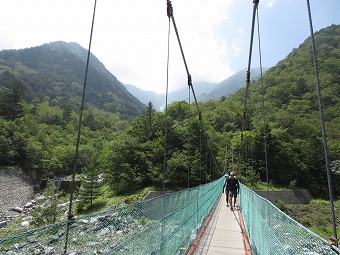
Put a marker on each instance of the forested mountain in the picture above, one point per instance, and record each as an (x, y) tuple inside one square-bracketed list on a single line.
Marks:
[(55, 72), (231, 84), (158, 100), (291, 112)]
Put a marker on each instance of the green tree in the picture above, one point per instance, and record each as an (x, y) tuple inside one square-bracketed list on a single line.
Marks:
[(6, 148), (177, 170), (12, 102), (123, 167), (47, 211), (52, 115), (90, 186), (146, 126)]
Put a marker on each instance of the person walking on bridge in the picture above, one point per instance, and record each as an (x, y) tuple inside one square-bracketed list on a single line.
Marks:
[(233, 186), (225, 188)]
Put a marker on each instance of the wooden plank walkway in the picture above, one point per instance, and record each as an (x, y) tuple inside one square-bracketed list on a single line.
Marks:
[(223, 234)]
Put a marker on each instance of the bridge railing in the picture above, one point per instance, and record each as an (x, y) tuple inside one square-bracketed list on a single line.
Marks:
[(270, 231), (164, 225)]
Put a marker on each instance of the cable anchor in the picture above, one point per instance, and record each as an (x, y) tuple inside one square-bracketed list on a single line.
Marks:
[(189, 80), (169, 9)]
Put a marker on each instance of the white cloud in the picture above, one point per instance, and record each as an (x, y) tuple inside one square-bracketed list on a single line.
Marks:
[(238, 42), (198, 23), (130, 36), (138, 39), (237, 49), (269, 3)]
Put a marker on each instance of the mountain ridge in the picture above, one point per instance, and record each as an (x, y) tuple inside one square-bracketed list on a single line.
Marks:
[(231, 84), (56, 71), (204, 91)]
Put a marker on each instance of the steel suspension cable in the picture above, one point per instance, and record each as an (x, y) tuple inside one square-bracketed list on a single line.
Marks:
[(225, 160), (189, 79), (200, 149), (188, 150), (70, 215), (323, 129), (182, 52), (81, 113), (171, 16), (166, 122), (245, 117), (169, 10), (263, 105), (207, 155)]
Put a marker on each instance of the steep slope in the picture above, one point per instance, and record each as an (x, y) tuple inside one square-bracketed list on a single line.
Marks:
[(231, 84), (56, 71), (145, 97), (291, 84), (295, 145)]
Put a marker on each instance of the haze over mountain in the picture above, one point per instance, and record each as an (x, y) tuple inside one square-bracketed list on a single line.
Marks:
[(231, 84), (204, 91), (158, 100)]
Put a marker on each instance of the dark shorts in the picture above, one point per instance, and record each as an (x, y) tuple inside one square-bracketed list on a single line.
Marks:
[(233, 193)]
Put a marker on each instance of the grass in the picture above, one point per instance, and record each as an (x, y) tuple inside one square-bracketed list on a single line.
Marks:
[(315, 216), (270, 186), (108, 201)]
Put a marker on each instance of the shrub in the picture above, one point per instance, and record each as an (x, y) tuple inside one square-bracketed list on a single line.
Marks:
[(292, 184), (282, 205)]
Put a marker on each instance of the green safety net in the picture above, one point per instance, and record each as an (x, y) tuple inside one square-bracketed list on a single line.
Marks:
[(270, 231), (164, 225)]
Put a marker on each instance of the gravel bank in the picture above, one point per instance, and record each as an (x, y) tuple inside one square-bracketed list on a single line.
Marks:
[(16, 189)]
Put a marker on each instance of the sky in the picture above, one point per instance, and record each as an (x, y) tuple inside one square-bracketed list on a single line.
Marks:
[(130, 37)]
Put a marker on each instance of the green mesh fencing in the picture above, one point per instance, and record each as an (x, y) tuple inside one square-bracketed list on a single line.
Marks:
[(270, 231), (164, 225)]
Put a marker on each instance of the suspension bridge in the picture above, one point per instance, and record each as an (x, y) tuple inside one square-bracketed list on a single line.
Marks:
[(192, 221)]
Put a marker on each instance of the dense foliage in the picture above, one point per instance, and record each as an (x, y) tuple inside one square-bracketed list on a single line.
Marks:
[(130, 155), (314, 215), (292, 112)]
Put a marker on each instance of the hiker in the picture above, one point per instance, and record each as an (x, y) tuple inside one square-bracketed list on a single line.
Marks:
[(225, 188), (233, 186)]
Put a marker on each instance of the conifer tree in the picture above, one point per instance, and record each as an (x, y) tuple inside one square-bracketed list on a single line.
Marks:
[(90, 186), (47, 212), (11, 101)]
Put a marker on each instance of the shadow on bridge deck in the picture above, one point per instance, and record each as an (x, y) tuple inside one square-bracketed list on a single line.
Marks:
[(223, 234)]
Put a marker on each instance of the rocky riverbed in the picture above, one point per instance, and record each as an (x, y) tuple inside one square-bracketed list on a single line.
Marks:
[(17, 190)]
